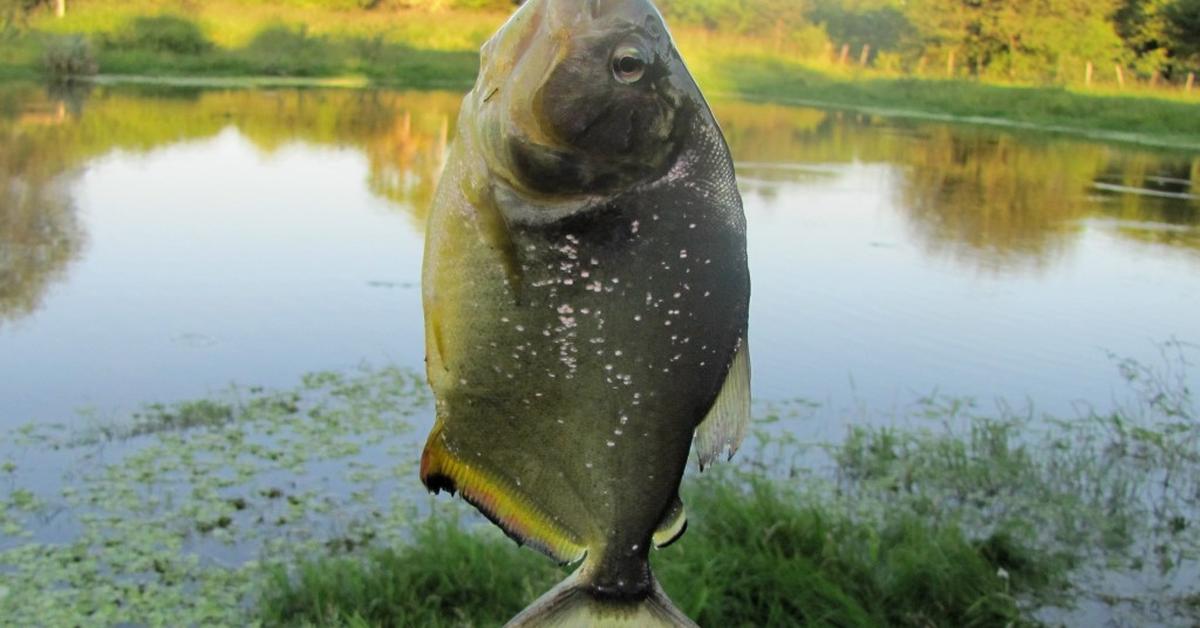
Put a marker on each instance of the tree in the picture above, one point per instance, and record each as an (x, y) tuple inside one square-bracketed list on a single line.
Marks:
[(1183, 31), (1019, 38)]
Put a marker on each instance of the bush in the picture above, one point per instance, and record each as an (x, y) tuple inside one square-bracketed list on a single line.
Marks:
[(69, 56), (285, 51), (161, 33)]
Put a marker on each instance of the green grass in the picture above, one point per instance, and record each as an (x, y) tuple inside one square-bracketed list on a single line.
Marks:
[(1137, 116), (758, 553), (415, 48), (974, 520)]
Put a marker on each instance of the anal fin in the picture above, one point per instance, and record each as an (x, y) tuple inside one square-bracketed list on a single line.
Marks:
[(511, 510), (725, 426)]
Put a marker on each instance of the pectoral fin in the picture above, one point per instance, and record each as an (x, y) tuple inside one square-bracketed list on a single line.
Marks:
[(725, 426), (673, 525)]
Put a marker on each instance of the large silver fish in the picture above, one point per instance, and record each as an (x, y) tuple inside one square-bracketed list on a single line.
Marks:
[(586, 295)]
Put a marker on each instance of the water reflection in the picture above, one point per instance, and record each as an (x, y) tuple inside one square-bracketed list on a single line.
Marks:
[(981, 201), (47, 136), (990, 200), (39, 231), (987, 199)]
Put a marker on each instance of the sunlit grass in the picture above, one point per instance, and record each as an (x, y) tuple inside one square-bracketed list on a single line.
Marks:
[(757, 553), (1119, 116)]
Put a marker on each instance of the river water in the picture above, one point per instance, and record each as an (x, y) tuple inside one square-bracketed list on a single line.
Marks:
[(157, 244)]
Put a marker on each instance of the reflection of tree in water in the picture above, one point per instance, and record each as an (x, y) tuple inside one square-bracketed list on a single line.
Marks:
[(406, 164), (39, 237), (46, 135), (988, 199), (39, 231), (1151, 202), (997, 200)]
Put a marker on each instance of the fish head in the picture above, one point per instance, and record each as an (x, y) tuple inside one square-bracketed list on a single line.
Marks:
[(581, 97)]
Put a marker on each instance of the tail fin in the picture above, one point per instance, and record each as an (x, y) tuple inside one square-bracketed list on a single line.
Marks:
[(571, 604)]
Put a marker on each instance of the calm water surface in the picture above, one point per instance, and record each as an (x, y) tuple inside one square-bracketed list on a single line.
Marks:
[(158, 245)]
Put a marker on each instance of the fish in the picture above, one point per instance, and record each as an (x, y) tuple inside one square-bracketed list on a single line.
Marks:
[(586, 298)]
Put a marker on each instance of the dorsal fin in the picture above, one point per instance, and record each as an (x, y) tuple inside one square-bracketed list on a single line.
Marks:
[(672, 526), (725, 426)]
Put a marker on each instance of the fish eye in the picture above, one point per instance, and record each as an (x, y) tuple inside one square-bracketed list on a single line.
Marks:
[(629, 64)]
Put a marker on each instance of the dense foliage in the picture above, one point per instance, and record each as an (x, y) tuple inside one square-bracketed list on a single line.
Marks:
[(1043, 40), (1031, 39)]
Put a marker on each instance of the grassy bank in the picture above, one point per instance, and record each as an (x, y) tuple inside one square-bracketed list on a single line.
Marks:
[(757, 553), (422, 49), (300, 507)]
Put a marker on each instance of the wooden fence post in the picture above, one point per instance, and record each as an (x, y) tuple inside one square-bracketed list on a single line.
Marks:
[(1120, 76), (60, 8), (1191, 81), (1088, 74), (950, 64), (1154, 79), (921, 66), (865, 56), (845, 54)]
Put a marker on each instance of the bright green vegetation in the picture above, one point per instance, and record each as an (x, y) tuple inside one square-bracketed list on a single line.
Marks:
[(1144, 117), (301, 507), (756, 553), (1025, 66)]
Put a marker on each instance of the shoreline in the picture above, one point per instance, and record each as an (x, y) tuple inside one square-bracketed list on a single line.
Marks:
[(1175, 141)]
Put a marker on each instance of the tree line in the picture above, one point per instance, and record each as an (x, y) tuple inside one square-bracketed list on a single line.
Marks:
[(1045, 40), (1040, 40)]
